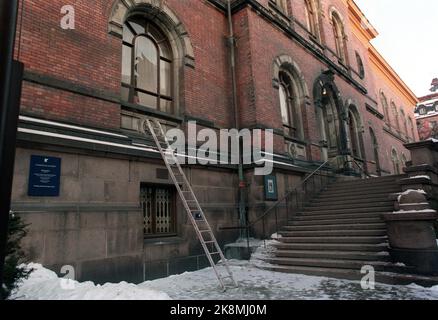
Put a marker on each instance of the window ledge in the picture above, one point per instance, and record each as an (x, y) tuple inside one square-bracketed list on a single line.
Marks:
[(163, 241)]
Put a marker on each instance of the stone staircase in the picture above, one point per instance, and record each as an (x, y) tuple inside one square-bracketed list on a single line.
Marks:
[(341, 231)]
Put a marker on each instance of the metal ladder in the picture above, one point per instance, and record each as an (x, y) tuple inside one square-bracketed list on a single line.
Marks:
[(191, 203)]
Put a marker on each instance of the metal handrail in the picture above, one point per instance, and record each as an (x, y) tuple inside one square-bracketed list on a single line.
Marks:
[(354, 161), (267, 212)]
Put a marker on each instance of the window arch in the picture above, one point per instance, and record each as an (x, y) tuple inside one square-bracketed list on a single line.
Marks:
[(360, 66), (312, 18), (375, 149), (404, 122), (411, 125), (290, 106), (396, 116), (355, 132), (404, 161), (395, 161), (339, 35), (147, 65), (282, 5), (385, 107)]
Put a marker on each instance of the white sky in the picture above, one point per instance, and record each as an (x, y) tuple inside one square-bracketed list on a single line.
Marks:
[(408, 38)]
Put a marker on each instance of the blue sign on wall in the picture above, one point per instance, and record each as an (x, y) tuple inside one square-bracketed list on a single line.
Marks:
[(271, 189), (44, 176)]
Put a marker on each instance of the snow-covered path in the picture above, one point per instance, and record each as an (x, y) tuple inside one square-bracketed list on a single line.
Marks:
[(255, 284)]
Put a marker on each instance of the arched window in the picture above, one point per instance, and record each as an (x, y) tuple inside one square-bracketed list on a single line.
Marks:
[(147, 66), (360, 67), (404, 122), (385, 107), (395, 161), (411, 126), (290, 105), (404, 161), (282, 5), (375, 149), (339, 34), (354, 134), (396, 116), (312, 18)]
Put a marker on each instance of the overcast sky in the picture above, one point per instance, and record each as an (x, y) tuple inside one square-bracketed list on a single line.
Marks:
[(408, 38)]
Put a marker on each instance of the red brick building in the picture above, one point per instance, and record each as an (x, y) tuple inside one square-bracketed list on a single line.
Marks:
[(305, 68), (426, 114)]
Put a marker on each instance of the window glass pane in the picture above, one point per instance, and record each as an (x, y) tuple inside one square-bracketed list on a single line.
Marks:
[(126, 65), (284, 106), (146, 68), (166, 106), (138, 28), (165, 51), (165, 78), (146, 100), (155, 33), (126, 122), (130, 123), (128, 36)]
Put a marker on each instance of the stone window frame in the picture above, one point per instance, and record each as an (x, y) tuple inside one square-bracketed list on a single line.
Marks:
[(167, 21), (396, 115), (313, 19), (173, 211), (337, 22), (285, 63), (360, 66), (385, 107)]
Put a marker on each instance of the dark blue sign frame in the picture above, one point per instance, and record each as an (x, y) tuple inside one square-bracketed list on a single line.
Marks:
[(44, 176), (271, 188)]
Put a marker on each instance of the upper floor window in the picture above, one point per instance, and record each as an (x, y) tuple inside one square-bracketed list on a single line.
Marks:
[(290, 106), (396, 116), (312, 18), (422, 111), (339, 34), (385, 107), (147, 66), (404, 122), (282, 5), (360, 67)]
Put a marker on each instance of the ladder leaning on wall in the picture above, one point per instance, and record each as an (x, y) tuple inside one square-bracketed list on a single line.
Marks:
[(191, 204)]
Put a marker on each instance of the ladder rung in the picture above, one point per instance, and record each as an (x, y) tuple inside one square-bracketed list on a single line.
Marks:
[(214, 253), (204, 231), (209, 242)]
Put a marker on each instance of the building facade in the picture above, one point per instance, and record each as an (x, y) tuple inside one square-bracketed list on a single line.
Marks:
[(304, 68), (426, 114)]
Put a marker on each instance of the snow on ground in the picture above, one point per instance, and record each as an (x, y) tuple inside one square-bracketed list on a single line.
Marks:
[(254, 284)]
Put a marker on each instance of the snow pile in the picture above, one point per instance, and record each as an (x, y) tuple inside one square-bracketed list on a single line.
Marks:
[(44, 284), (410, 191), (420, 177)]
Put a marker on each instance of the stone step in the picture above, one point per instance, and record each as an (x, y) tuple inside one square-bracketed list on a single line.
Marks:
[(342, 205), (335, 239), (371, 181), (319, 227), (334, 233), (356, 192), (356, 275), (335, 255), (321, 211), (365, 187), (332, 247), (366, 200), (332, 263), (334, 222), (360, 215), (345, 197)]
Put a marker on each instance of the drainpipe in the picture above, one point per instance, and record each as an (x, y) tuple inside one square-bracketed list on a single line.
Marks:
[(242, 184)]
